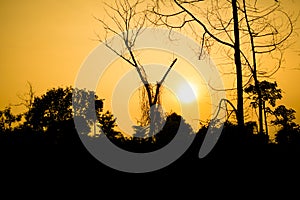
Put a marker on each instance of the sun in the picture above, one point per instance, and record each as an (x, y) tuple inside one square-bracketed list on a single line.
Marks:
[(186, 92)]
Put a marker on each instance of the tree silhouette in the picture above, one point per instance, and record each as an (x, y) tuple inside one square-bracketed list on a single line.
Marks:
[(263, 92), (266, 38), (107, 123), (88, 111), (187, 17), (284, 116), (50, 117), (244, 30), (27, 98), (7, 119), (50, 109), (130, 20), (85, 107), (232, 147), (289, 132), (144, 144)]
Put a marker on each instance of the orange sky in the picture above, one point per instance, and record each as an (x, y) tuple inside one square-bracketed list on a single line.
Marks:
[(45, 42)]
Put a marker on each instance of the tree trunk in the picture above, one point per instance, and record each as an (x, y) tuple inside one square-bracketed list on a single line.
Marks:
[(260, 106), (266, 122), (254, 72), (238, 64)]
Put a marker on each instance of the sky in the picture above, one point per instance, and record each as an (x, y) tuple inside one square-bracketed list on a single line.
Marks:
[(45, 43)]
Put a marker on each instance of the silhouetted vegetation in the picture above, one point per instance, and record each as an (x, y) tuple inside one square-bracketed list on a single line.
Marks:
[(43, 141), (246, 31), (50, 121)]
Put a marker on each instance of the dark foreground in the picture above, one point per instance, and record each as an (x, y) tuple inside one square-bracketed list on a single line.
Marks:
[(261, 166)]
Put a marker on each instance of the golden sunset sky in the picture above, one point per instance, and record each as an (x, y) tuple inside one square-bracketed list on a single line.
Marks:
[(45, 42)]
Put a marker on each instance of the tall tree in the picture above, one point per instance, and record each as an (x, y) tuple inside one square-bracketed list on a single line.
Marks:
[(187, 13), (127, 21), (238, 65), (268, 28), (243, 29), (260, 94)]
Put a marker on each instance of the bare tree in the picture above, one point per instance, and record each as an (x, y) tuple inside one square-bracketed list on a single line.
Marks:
[(127, 21), (246, 31), (27, 99), (268, 35), (186, 14)]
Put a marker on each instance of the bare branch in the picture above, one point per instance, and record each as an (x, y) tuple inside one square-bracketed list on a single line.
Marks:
[(167, 72), (27, 99), (120, 55), (158, 85), (202, 25), (190, 1)]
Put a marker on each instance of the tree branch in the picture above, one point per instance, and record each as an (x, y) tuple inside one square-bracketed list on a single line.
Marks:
[(203, 26)]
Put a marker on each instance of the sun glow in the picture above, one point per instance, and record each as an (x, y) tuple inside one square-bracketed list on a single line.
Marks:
[(187, 92)]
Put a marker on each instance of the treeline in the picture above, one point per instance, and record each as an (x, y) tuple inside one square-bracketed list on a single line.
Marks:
[(49, 120)]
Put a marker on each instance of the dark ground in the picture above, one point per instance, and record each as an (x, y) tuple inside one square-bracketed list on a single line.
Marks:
[(265, 168)]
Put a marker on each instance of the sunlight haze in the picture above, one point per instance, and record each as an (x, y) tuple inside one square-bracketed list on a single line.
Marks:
[(45, 43)]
